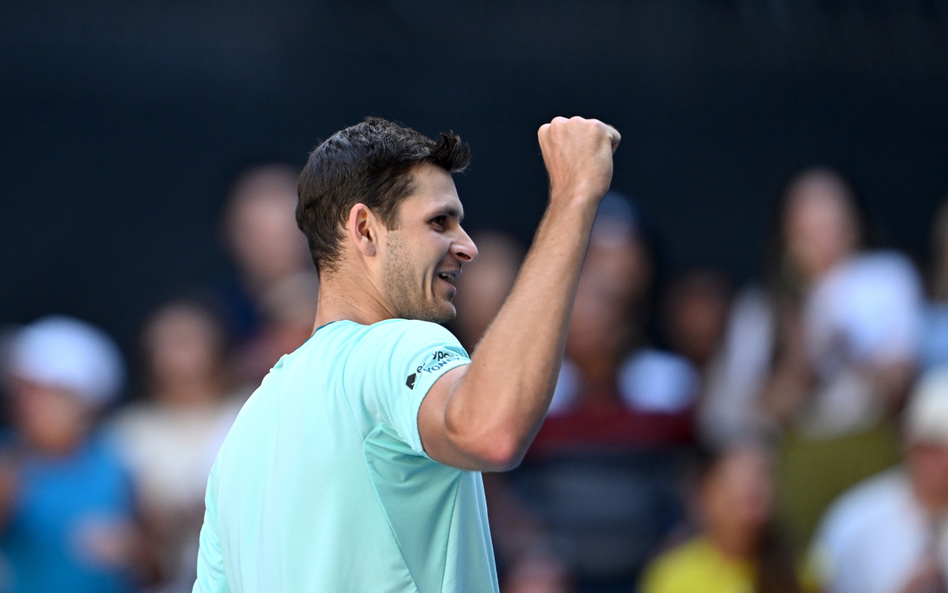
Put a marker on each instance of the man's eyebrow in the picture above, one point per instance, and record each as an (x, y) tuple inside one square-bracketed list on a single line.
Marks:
[(451, 212)]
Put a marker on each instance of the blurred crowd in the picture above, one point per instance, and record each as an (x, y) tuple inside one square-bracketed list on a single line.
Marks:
[(788, 435)]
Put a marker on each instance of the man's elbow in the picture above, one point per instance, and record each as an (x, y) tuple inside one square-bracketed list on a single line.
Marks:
[(500, 454)]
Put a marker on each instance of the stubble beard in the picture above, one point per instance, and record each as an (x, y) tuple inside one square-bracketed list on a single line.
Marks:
[(402, 292)]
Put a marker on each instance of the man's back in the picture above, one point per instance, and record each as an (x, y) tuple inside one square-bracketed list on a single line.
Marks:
[(323, 484)]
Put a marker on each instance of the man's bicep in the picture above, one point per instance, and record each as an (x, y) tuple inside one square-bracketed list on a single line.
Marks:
[(432, 427)]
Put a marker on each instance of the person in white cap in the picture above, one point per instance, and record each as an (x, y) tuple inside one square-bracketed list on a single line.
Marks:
[(889, 534), (66, 510)]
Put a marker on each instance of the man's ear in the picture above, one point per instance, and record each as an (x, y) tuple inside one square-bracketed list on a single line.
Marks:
[(363, 229)]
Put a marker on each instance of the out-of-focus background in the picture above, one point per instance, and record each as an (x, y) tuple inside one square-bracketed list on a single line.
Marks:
[(124, 122), (759, 319)]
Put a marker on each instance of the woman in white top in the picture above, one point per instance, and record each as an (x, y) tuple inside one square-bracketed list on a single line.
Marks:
[(825, 355)]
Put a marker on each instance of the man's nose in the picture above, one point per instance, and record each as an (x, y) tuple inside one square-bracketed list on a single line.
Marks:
[(464, 248)]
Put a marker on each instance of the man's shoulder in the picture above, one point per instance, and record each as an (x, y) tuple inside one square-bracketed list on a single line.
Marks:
[(401, 332), (409, 327), (394, 326), (389, 345)]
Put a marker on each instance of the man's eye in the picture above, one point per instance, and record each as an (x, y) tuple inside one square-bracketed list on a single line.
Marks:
[(440, 220)]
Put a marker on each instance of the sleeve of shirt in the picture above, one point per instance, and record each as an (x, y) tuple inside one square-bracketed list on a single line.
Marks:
[(391, 369)]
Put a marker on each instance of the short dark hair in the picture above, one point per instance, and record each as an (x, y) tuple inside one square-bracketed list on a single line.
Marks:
[(369, 163)]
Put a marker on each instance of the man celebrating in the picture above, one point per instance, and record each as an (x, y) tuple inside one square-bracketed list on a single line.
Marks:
[(355, 465)]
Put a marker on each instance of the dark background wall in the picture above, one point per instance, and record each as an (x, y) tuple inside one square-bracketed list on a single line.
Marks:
[(121, 122)]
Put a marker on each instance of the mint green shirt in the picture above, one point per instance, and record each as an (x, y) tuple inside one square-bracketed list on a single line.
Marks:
[(322, 484)]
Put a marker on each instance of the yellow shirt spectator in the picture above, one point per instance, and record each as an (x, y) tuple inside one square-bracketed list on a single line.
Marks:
[(698, 567)]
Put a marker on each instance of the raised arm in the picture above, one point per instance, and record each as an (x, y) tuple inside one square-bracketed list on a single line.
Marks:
[(483, 416)]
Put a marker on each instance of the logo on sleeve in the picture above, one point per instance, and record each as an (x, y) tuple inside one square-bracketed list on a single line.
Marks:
[(437, 362)]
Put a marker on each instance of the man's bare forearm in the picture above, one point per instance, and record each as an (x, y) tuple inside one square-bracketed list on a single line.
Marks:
[(502, 399), (496, 408)]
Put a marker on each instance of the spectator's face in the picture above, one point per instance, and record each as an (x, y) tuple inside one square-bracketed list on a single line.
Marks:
[(737, 496), (51, 419), (928, 468), (421, 256), (484, 286), (183, 346), (697, 314), (615, 276), (264, 237), (819, 225)]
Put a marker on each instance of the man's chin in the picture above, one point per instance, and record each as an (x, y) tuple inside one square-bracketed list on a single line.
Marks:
[(443, 316)]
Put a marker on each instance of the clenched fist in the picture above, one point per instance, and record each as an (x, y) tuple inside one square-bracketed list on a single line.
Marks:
[(578, 157)]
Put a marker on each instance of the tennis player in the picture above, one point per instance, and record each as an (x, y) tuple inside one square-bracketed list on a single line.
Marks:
[(356, 464)]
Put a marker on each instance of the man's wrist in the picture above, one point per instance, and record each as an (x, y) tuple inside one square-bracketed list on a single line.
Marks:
[(577, 201)]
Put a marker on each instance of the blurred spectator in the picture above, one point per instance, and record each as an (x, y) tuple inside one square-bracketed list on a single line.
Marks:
[(694, 313), (827, 353), (286, 321), (274, 272), (66, 504), (934, 347), (601, 477), (737, 548), (170, 439), (889, 534), (731, 405), (484, 284), (613, 390)]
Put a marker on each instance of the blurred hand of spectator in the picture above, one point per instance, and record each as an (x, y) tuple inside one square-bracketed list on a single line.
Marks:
[(791, 379)]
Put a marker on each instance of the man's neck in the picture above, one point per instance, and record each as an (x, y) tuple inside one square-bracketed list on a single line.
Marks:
[(341, 298)]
